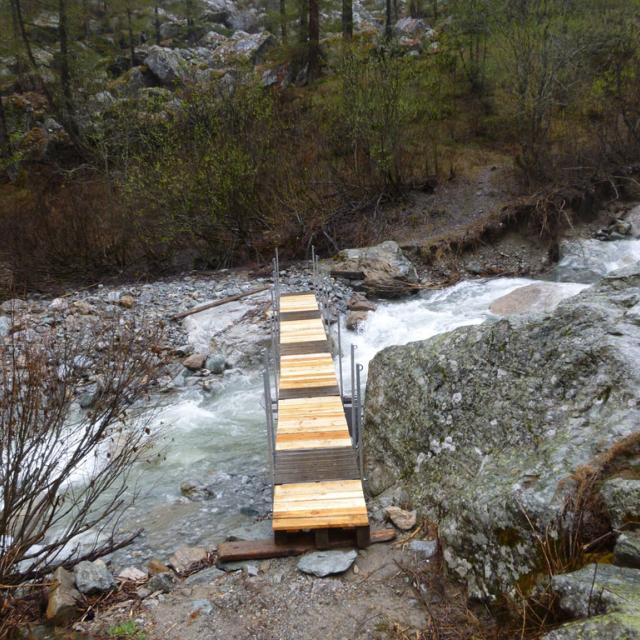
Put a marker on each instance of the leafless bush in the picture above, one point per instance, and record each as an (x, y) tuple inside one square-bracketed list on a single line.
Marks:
[(65, 471)]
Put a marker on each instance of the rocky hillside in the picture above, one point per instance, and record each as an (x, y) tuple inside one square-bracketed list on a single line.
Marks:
[(520, 439)]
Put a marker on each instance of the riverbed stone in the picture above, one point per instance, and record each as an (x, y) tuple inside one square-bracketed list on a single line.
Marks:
[(164, 582), (206, 576), (424, 548), (93, 577), (195, 361), (132, 574), (401, 518), (156, 566), (626, 553), (127, 301), (326, 563), (485, 425), (383, 270), (201, 607), (355, 319), (62, 604), (186, 558), (541, 297), (216, 363)]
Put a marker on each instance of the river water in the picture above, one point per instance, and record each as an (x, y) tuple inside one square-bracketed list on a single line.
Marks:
[(220, 438)]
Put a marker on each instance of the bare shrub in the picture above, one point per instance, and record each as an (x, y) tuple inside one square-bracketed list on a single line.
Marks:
[(65, 474)]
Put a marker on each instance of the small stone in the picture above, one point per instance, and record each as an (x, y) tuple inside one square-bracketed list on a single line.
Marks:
[(83, 308), (163, 582), (195, 361), (626, 553), (201, 607), (187, 558), (63, 597), (216, 363), (326, 563), (132, 574), (93, 577), (206, 576), (358, 302), (355, 319), (127, 301), (402, 519), (424, 548), (155, 567), (58, 305)]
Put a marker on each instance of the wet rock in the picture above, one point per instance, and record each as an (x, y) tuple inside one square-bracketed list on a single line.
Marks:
[(622, 499), (485, 424), (402, 519), (355, 319), (206, 576), (132, 574), (424, 548), (357, 302), (93, 577), (187, 558), (195, 361), (62, 605), (195, 490), (326, 563), (164, 582), (384, 270), (156, 566), (14, 305), (216, 363), (626, 553), (541, 297)]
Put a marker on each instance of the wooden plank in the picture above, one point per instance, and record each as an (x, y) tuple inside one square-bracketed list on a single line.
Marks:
[(309, 392), (296, 294), (286, 316), (294, 544), (307, 346)]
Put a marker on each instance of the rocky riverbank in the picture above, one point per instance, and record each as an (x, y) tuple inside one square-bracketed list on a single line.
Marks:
[(516, 435)]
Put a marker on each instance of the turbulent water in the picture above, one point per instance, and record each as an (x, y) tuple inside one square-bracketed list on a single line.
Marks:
[(220, 438)]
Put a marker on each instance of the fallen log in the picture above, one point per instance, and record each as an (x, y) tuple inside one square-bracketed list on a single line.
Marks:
[(294, 545), (218, 303)]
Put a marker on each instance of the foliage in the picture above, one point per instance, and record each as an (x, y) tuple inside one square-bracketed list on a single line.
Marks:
[(65, 475), (128, 629)]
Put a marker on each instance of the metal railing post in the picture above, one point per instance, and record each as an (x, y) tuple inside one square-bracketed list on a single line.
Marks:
[(359, 368), (269, 415), (340, 359), (354, 426)]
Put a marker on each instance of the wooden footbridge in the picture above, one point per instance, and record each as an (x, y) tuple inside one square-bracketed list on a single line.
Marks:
[(314, 433), (317, 480)]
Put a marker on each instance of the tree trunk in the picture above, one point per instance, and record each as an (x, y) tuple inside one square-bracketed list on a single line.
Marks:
[(5, 145), (132, 50), (156, 20), (347, 19), (190, 23), (65, 73), (283, 21), (303, 34), (387, 23), (314, 39)]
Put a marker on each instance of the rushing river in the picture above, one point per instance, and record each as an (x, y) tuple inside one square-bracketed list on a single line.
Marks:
[(219, 438)]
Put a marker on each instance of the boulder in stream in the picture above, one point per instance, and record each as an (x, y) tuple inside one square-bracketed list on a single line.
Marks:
[(383, 271), (486, 425)]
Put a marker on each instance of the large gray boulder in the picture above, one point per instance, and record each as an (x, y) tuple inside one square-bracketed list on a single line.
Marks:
[(610, 594), (485, 425), (383, 270), (167, 65), (93, 577)]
